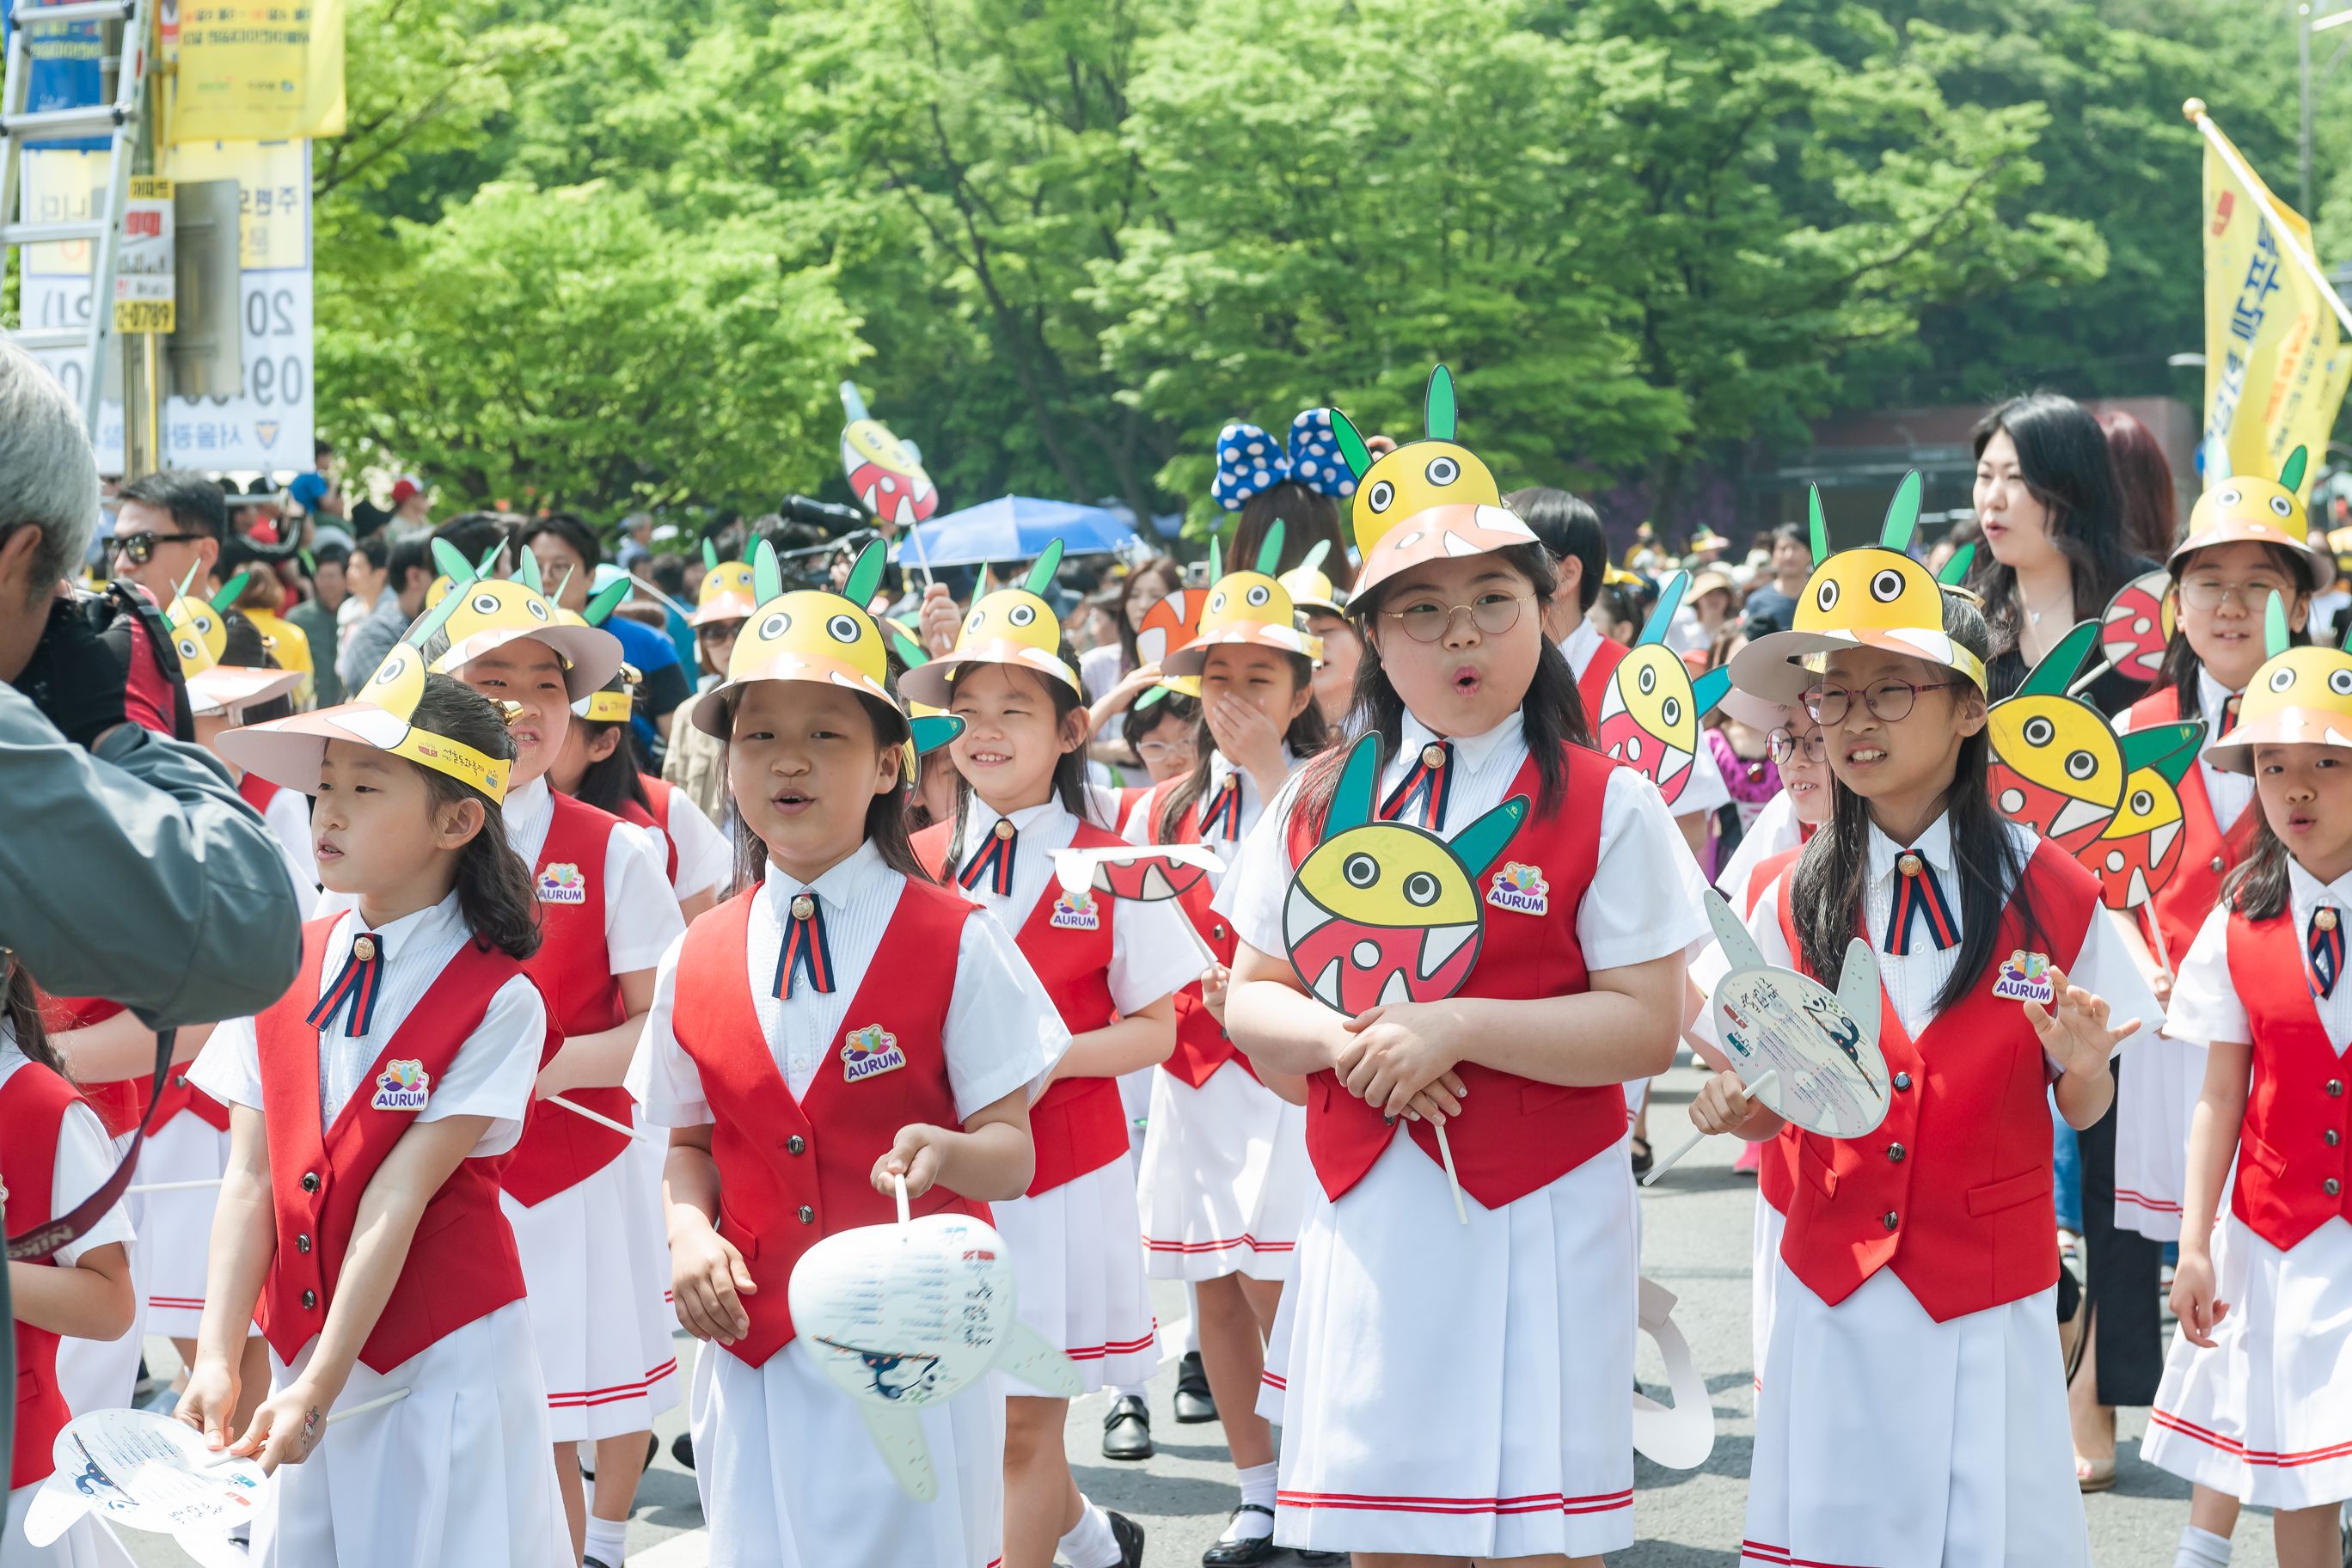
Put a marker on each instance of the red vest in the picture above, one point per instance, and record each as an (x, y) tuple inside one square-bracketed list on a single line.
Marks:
[(121, 1102), (574, 971), (1514, 1134), (33, 1105), (1202, 1044), (180, 1095), (1776, 1175), (461, 1263), (2208, 856), (801, 1170), (1593, 684), (657, 818), (257, 791), (1962, 1161), (2291, 1171), (1079, 1124), (1129, 795)]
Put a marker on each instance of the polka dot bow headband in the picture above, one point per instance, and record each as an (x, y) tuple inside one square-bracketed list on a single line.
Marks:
[(1250, 461)]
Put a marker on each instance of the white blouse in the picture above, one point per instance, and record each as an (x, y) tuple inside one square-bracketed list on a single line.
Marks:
[(2206, 1007)]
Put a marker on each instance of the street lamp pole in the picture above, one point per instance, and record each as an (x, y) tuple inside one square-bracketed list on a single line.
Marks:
[(2303, 52)]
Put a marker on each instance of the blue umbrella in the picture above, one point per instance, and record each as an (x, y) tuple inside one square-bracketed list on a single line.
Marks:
[(1013, 527)]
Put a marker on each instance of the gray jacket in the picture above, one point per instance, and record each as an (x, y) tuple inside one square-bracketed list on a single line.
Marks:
[(138, 875)]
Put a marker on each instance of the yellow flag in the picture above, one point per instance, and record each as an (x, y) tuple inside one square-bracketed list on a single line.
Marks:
[(251, 70), (2274, 367)]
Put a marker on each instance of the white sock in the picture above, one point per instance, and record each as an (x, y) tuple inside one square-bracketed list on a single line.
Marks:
[(1090, 1543), (608, 1539), (1124, 1390), (1257, 1487), (2202, 1548)]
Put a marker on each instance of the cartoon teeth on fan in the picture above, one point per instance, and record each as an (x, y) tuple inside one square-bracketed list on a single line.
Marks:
[(2137, 625), (2056, 768), (885, 473), (1011, 626), (902, 1317), (1385, 912), (2140, 847), (1650, 709)]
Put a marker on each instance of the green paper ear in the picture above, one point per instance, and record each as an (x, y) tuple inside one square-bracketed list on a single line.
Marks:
[(1216, 562), (709, 556), (1821, 526), (1314, 553), (933, 731), (1351, 445), (1670, 599), (1351, 802), (2291, 476), (433, 619), (1707, 690), (1269, 553), (1956, 570), (1901, 515), (1041, 576), (600, 608), (904, 647), (2057, 671), (866, 575), (189, 581), (2346, 645), (2167, 748), (560, 588), (527, 574), (1153, 696), (453, 566), (1478, 844), (482, 567), (767, 575), (230, 590), (1439, 415), (2274, 633)]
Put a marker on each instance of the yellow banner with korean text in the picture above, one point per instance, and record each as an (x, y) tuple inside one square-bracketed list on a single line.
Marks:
[(254, 70), (2275, 362)]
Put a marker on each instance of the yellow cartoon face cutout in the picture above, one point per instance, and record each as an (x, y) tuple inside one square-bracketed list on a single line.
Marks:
[(1414, 477), (198, 635), (1013, 626), (727, 577), (816, 623), (1871, 589)]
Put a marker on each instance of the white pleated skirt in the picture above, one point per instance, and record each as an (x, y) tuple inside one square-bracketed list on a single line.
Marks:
[(1884, 1438), (177, 1231), (789, 1479), (1225, 1178), (2160, 1080), (1460, 1391), (1764, 1278), (596, 1260), (103, 1374), (1077, 1260), (88, 1543), (2266, 1413), (459, 1471)]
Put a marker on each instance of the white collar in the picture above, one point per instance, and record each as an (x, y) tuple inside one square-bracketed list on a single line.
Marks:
[(529, 802), (980, 818), (1934, 846), (836, 889), (1578, 646), (394, 937), (2211, 695), (1470, 751), (2309, 892), (1221, 768)]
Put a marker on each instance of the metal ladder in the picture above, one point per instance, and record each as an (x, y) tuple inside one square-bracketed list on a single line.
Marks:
[(120, 119)]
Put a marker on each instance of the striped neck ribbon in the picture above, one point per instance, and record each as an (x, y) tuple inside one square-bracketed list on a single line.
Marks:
[(1224, 812), (1426, 789), (805, 951), (355, 990), (1917, 892), (993, 860), (2324, 950)]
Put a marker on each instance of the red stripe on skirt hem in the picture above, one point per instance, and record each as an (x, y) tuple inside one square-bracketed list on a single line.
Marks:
[(1253, 1243), (1535, 1502), (1780, 1557), (1129, 1347), (618, 1392), (2141, 1200), (2172, 1422)]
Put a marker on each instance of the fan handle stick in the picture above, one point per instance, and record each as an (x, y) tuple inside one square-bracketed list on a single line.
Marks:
[(2155, 934), (599, 1119), (1764, 1080), (394, 1397), (2083, 682), (1453, 1179)]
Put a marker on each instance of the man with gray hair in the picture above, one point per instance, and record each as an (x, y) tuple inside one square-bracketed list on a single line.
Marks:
[(129, 869)]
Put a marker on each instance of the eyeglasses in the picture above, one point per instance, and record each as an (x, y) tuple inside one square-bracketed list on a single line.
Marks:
[(717, 631), (140, 548), (2207, 593), (1163, 751), (1493, 614), (1886, 700), (1782, 747)]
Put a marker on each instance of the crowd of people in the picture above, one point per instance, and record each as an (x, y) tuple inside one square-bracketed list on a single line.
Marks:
[(632, 887)]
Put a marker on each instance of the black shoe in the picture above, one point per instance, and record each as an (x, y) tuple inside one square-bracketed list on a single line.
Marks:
[(1249, 1548), (1193, 1402), (1643, 1159), (681, 1449), (1130, 1536), (1126, 1430)]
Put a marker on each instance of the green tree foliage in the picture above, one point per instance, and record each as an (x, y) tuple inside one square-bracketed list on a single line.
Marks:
[(1078, 235)]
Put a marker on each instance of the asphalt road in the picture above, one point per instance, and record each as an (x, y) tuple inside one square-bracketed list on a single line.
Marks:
[(1696, 1223)]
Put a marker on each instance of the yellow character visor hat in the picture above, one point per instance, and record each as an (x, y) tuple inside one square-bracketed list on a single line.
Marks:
[(200, 638), (2246, 509), (728, 592), (1011, 625), (1427, 500), (1874, 596), (2302, 695), (1246, 609), (488, 612)]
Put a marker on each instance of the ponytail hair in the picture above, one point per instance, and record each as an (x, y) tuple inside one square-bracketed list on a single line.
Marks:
[(2259, 886), (495, 895), (1307, 734), (1833, 873), (1551, 714)]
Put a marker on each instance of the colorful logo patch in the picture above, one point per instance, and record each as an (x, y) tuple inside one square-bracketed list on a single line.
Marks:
[(1075, 911), (2025, 977), (1521, 889), (563, 884), (402, 1086), (869, 1051)]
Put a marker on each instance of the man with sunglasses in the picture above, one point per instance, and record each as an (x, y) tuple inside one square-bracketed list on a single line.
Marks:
[(167, 522)]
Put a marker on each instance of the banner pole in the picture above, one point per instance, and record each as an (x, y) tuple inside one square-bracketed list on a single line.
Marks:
[(2194, 111)]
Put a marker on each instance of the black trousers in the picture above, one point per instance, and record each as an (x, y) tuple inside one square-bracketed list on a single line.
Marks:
[(2124, 1266)]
